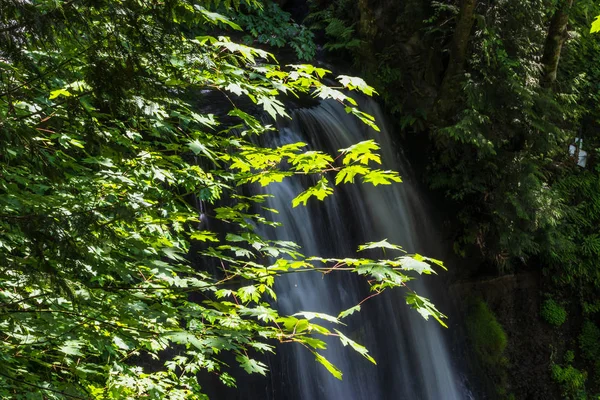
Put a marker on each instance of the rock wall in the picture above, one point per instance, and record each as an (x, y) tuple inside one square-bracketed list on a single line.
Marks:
[(515, 300)]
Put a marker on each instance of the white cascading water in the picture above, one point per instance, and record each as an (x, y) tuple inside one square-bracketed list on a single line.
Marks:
[(413, 358)]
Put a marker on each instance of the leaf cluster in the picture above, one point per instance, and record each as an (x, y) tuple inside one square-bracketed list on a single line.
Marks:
[(272, 26)]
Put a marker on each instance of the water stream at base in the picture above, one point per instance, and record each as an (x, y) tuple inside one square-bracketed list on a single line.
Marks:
[(412, 355)]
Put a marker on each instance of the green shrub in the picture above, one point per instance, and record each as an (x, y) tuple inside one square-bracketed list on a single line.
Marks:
[(571, 380), (275, 27), (553, 313), (591, 308), (486, 333)]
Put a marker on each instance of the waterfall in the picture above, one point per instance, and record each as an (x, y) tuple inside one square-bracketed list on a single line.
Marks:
[(413, 358)]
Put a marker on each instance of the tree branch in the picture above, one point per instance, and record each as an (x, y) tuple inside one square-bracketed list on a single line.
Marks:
[(72, 396)]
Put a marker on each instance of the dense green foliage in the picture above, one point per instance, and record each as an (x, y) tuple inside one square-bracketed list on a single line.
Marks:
[(271, 25), (112, 286), (502, 151), (553, 313), (571, 379), (502, 155), (339, 33)]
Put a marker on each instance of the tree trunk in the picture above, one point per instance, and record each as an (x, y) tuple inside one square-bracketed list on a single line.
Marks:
[(450, 87), (557, 34)]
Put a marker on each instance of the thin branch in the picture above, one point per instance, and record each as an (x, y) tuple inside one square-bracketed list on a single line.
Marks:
[(49, 13), (81, 316), (27, 298), (370, 297), (72, 396)]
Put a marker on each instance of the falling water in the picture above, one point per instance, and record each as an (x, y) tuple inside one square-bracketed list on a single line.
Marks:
[(413, 359)]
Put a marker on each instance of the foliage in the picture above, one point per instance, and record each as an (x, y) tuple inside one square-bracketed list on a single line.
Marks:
[(553, 313), (112, 283), (570, 379), (275, 27), (347, 33), (576, 244), (334, 22), (497, 156), (573, 381), (493, 155), (595, 25), (502, 156), (486, 333)]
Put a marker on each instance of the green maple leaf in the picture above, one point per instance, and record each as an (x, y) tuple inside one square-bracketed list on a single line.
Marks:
[(347, 174), (273, 107), (320, 191), (595, 25), (251, 366), (353, 83), (379, 177), (363, 152), (335, 371)]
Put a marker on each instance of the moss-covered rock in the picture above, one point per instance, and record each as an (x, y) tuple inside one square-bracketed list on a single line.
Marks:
[(487, 335)]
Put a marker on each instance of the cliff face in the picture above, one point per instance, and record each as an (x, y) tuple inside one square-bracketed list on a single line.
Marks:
[(531, 343)]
